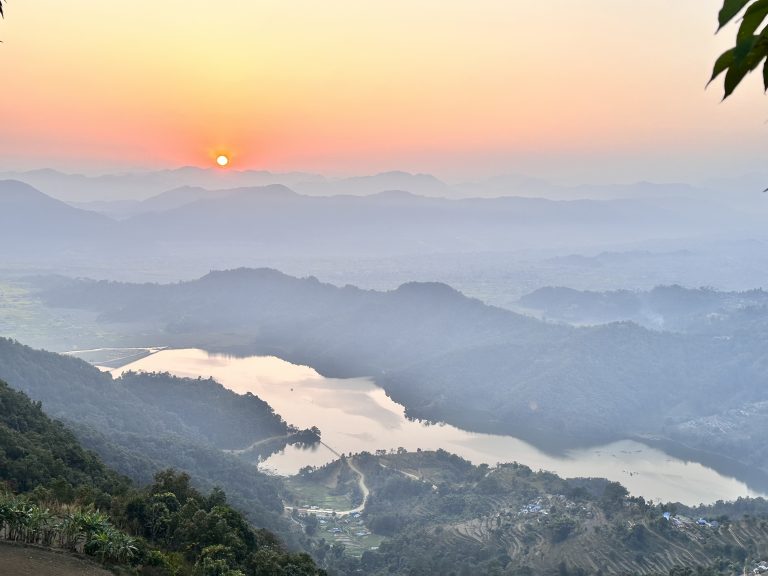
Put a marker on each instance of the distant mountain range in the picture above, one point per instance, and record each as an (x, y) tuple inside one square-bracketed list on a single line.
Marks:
[(121, 193), (133, 187), (274, 220)]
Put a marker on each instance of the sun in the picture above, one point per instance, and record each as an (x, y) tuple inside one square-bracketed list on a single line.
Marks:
[(222, 160)]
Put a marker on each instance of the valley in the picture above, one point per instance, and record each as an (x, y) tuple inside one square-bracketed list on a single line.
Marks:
[(466, 288)]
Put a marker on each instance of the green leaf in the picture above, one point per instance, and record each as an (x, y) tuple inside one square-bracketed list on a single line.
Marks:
[(743, 49), (753, 17), (733, 78), (765, 75), (729, 10), (747, 55), (722, 64)]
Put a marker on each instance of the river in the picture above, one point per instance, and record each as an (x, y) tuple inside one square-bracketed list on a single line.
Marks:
[(355, 414)]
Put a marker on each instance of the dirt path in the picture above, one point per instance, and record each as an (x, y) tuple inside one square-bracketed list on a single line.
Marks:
[(409, 475), (363, 488), (24, 561)]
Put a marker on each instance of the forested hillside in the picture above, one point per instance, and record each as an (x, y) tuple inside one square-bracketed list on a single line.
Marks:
[(41, 455), (138, 427), (56, 494)]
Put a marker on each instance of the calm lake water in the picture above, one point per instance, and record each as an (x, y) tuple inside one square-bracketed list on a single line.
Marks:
[(355, 415)]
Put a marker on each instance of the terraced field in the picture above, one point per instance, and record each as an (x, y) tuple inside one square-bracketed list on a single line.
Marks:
[(515, 517), (657, 545)]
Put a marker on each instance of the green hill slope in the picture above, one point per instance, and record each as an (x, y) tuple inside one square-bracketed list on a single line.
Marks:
[(137, 429), (36, 452), (56, 494)]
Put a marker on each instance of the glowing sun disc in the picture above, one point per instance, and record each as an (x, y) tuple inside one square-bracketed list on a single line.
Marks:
[(222, 160)]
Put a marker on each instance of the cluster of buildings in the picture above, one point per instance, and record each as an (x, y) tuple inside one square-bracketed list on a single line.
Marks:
[(679, 521)]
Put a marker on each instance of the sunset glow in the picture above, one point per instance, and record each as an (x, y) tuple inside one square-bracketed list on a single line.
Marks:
[(455, 88), (222, 160)]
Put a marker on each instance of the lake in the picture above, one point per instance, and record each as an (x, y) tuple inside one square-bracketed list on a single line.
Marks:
[(355, 414)]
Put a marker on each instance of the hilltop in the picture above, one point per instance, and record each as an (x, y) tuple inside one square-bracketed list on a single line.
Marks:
[(58, 496)]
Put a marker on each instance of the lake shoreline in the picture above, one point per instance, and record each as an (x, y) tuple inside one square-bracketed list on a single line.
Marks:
[(357, 415)]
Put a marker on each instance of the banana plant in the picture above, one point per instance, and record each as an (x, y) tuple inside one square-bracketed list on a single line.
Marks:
[(111, 545), (39, 528), (70, 533), (19, 521)]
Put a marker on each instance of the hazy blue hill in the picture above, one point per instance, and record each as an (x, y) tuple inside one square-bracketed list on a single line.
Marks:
[(196, 229), (522, 185), (143, 185), (276, 220), (37, 231), (247, 214), (27, 213), (174, 198), (674, 308), (422, 184), (452, 358)]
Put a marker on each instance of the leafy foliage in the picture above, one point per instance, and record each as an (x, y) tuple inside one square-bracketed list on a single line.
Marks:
[(168, 528), (226, 419), (78, 530), (210, 536), (37, 452), (751, 47), (58, 495)]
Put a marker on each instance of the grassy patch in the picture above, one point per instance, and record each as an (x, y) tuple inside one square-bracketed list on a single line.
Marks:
[(306, 493), (25, 318)]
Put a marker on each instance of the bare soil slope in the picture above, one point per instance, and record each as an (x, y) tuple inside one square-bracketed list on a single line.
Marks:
[(25, 561)]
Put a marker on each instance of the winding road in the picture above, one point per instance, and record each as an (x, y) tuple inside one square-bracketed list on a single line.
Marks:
[(360, 482)]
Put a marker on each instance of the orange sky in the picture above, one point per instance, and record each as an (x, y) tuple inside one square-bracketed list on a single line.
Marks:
[(583, 89)]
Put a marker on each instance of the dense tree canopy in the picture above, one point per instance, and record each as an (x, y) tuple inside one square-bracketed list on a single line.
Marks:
[(55, 493), (751, 47)]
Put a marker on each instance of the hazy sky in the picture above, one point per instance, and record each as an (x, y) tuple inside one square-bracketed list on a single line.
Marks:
[(566, 89)]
